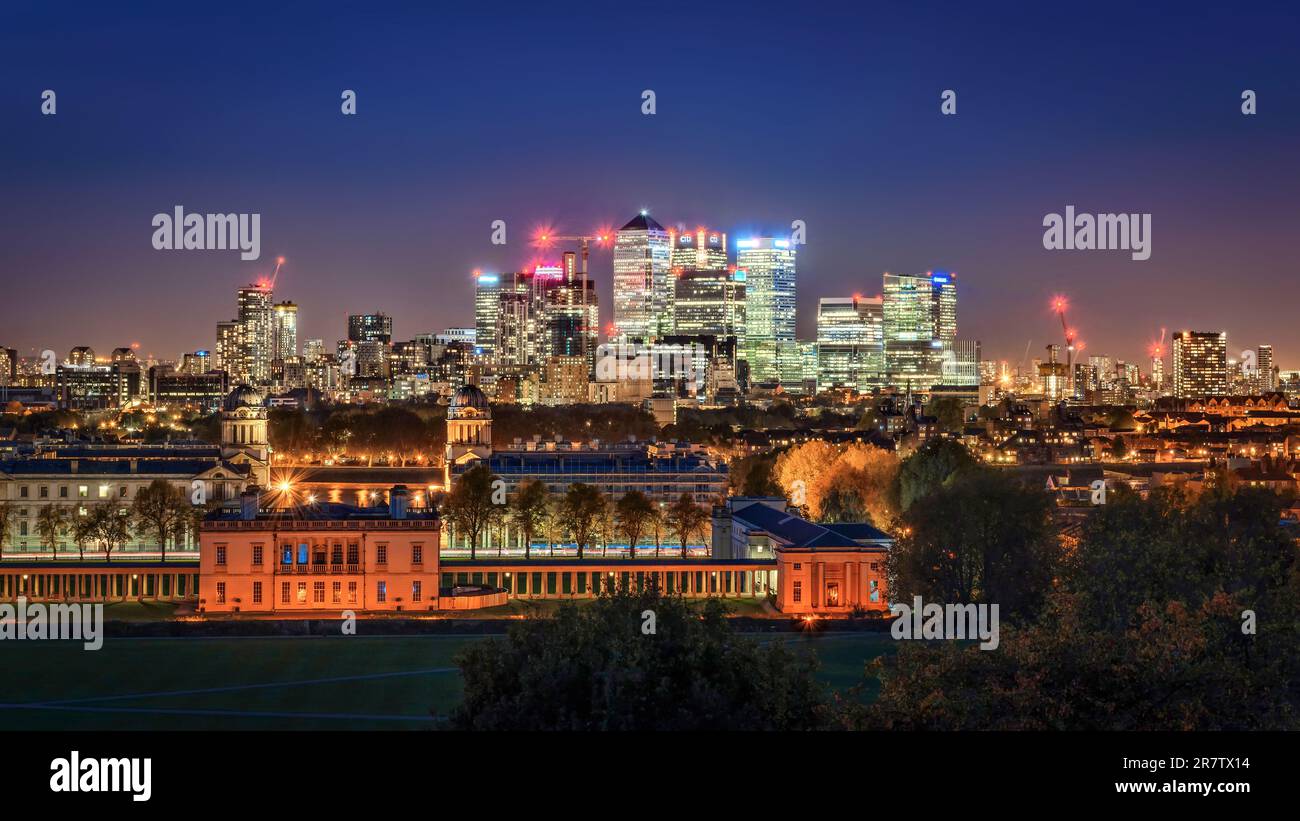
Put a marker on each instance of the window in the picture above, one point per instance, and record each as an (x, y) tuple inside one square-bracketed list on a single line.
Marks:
[(257, 554), (798, 566), (302, 592), (335, 595), (121, 491), (257, 592), (45, 491), (286, 555), (284, 593), (381, 554), (381, 592), (352, 553), (83, 491), (417, 554), (22, 492), (221, 592), (336, 554), (63, 491), (103, 491), (415, 591), (318, 592), (352, 592), (302, 553), (798, 592), (221, 554)]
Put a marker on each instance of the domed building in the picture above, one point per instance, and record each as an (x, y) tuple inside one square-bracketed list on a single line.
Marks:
[(469, 429), (244, 432)]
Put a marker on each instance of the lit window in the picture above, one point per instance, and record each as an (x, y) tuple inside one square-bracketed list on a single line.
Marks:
[(302, 592), (381, 592)]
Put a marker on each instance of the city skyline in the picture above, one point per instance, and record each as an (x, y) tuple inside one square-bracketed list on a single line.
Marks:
[(387, 209)]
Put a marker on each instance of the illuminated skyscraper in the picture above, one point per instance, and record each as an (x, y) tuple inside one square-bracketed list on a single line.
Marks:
[(1267, 373), (285, 331), (1200, 364), (709, 303), (487, 287), (699, 250), (370, 328), (255, 350), (227, 347), (850, 343), (920, 319), (569, 319), (642, 285), (769, 269)]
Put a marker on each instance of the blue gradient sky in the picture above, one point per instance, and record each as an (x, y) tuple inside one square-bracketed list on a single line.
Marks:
[(531, 113)]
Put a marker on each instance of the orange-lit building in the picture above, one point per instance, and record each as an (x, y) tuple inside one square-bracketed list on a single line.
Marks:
[(319, 557), (822, 569)]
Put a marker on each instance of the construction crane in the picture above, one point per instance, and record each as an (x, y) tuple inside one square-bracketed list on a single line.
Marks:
[(1059, 305), (545, 239)]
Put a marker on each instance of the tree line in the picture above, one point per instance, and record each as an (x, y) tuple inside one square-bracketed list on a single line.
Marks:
[(160, 511), (477, 505)]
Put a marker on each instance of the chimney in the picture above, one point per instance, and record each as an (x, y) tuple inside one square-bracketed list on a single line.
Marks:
[(398, 501), (248, 501)]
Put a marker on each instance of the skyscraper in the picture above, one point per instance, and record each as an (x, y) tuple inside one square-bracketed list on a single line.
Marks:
[(285, 331), (569, 318), (370, 328), (1200, 364), (487, 287), (920, 319), (1267, 373), (709, 303), (642, 286), (253, 358), (769, 271), (227, 348), (850, 343), (699, 250)]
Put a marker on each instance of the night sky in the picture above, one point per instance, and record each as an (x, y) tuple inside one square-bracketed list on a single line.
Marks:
[(532, 114)]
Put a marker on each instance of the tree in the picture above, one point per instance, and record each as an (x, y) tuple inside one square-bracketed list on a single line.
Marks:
[(51, 522), (470, 507), (594, 668), (984, 538), (111, 526), (685, 519), (634, 510), (529, 511), (158, 508), (948, 412), (935, 463), (1177, 669), (84, 528), (6, 522), (581, 511)]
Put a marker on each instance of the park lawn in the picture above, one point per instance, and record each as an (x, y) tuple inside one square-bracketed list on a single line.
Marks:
[(342, 682)]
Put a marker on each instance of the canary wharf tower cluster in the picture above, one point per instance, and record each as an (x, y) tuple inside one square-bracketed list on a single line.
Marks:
[(711, 318)]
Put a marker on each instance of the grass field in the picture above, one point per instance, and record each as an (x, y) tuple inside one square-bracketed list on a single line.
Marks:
[(289, 683), (293, 683)]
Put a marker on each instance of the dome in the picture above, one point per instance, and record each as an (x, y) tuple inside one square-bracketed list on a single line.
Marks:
[(467, 396), (243, 396)]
